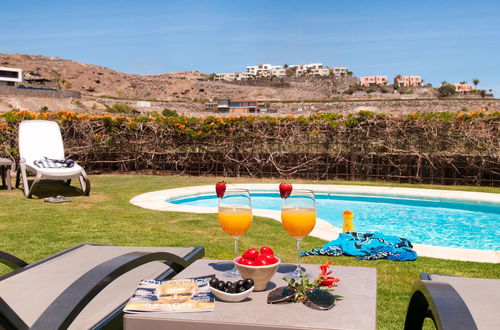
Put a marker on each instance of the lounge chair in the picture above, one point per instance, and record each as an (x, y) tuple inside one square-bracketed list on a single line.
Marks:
[(39, 139), (454, 303), (84, 287)]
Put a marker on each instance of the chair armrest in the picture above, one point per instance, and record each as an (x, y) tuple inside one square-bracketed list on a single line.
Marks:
[(11, 261), (66, 307), (442, 303)]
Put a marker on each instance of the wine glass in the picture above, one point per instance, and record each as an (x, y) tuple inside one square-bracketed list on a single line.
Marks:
[(298, 217), (235, 217)]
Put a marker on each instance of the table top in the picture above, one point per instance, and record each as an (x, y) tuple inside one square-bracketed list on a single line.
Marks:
[(6, 161), (357, 310)]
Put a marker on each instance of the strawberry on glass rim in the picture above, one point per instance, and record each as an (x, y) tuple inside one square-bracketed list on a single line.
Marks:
[(220, 189), (285, 190)]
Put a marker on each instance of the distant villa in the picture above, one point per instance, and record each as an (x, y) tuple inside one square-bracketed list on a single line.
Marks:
[(10, 76)]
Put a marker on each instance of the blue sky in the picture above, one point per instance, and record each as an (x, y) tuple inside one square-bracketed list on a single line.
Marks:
[(439, 40)]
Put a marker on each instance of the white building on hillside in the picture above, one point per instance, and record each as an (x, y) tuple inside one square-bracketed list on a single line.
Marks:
[(339, 71), (233, 76), (10, 76), (269, 70), (260, 68)]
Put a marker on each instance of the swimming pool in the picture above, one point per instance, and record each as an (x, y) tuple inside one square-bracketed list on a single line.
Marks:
[(432, 222)]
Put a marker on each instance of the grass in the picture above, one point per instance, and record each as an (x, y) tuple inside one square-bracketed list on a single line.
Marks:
[(33, 229)]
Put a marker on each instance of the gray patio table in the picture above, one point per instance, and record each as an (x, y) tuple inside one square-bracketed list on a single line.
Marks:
[(358, 286)]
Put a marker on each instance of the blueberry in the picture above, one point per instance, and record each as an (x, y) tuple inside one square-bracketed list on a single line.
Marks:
[(241, 289), (239, 284), (221, 285), (248, 283), (213, 282), (231, 288)]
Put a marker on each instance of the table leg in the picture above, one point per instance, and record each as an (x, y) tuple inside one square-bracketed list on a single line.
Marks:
[(2, 173), (9, 178)]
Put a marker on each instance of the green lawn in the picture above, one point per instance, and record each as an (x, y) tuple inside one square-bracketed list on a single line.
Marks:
[(33, 229)]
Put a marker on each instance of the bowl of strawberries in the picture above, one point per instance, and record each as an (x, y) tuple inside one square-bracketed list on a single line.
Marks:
[(258, 264)]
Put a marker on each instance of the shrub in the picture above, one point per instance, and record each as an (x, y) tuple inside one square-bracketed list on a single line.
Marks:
[(446, 90), (169, 113), (121, 108)]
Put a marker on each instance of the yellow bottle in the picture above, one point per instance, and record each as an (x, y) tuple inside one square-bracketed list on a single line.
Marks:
[(348, 225)]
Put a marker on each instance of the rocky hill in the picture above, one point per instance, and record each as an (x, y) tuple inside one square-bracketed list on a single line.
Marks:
[(98, 88), (53, 72)]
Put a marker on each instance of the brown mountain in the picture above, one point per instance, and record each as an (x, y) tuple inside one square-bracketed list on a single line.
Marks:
[(94, 80)]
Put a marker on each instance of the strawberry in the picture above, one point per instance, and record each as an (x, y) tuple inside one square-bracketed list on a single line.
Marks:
[(265, 259), (248, 262), (285, 190), (266, 250), (220, 189), (251, 254), (269, 259)]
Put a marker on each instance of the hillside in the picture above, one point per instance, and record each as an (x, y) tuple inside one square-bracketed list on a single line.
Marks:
[(53, 72), (186, 92)]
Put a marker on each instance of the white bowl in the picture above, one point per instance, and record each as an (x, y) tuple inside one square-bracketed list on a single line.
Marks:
[(231, 297), (261, 275)]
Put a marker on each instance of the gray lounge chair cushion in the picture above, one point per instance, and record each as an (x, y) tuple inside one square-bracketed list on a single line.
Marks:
[(480, 295), (31, 291)]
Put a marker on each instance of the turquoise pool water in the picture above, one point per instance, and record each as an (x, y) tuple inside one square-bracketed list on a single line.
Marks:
[(438, 223)]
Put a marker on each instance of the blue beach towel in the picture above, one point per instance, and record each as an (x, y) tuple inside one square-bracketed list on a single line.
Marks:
[(367, 246)]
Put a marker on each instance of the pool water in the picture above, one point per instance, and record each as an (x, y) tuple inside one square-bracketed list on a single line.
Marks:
[(450, 224)]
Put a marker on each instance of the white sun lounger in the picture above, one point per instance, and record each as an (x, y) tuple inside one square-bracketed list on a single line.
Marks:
[(39, 139)]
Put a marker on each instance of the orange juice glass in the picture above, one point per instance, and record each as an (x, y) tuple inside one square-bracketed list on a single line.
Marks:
[(235, 217), (298, 217), (298, 222)]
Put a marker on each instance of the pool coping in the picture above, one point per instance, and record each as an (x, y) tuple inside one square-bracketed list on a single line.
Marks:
[(156, 200)]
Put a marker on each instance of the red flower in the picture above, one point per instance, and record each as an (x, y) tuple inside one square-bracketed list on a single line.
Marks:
[(329, 281), (325, 269), (324, 279)]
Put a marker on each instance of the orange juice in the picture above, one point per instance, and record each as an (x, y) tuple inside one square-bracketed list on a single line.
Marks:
[(235, 221), (298, 222)]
